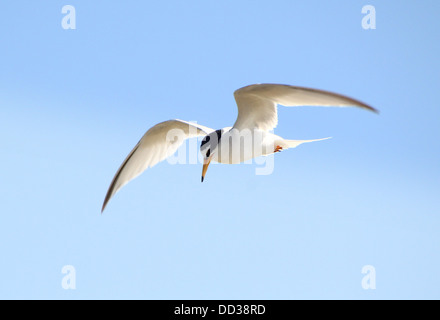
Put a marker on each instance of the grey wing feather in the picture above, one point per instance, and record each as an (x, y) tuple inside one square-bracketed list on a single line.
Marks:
[(257, 104)]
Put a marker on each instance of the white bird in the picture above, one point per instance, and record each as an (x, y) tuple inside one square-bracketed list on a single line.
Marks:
[(250, 136)]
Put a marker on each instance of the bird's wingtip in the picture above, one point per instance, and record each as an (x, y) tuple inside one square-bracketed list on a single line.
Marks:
[(370, 108), (104, 205)]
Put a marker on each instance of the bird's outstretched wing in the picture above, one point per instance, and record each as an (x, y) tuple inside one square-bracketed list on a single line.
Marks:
[(257, 104), (156, 145)]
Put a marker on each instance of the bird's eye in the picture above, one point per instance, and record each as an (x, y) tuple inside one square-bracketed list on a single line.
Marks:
[(208, 153)]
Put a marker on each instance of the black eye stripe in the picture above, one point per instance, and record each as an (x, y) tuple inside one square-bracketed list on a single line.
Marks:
[(208, 153), (205, 140), (208, 138)]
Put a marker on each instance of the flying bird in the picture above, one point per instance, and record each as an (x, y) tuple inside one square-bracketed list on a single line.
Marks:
[(250, 136)]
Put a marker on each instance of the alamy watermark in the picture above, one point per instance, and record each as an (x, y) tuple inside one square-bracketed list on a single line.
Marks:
[(69, 280), (369, 20), (69, 19), (232, 146), (369, 280)]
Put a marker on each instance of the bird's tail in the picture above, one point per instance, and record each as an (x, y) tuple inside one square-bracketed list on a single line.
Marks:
[(286, 144)]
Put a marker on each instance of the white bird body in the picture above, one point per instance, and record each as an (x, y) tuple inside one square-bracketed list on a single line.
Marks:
[(237, 146), (250, 137)]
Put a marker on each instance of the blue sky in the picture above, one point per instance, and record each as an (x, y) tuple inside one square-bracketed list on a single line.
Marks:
[(74, 102)]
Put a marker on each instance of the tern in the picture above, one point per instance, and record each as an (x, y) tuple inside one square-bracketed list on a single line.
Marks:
[(250, 136)]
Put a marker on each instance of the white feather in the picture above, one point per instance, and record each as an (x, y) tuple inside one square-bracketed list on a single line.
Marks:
[(153, 148)]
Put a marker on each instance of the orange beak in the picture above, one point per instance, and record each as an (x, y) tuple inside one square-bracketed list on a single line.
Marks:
[(206, 163)]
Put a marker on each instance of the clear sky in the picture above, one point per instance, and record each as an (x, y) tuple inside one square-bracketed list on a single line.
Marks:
[(73, 103)]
